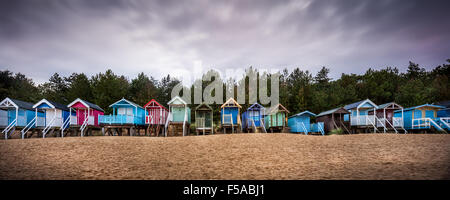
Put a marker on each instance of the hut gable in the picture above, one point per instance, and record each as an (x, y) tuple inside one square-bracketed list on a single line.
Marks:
[(79, 102), (8, 102), (177, 101), (44, 103), (231, 103), (339, 110), (361, 104), (276, 108), (154, 104), (124, 102)]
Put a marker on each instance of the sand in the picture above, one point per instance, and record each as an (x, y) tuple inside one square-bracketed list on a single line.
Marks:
[(238, 156)]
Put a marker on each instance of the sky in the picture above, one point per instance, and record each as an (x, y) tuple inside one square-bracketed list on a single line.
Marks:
[(41, 37)]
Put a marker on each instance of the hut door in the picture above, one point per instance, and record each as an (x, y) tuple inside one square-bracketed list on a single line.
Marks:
[(80, 114), (389, 115)]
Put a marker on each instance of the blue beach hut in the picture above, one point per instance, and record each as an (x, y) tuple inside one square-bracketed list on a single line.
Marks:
[(16, 114), (423, 117), (301, 122), (253, 118), (230, 115), (125, 112)]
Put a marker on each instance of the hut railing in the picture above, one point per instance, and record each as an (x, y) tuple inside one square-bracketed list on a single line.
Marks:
[(9, 127), (74, 120), (117, 119), (382, 123), (426, 123), (388, 122), (48, 126), (149, 119), (445, 121), (28, 127), (200, 122), (397, 121), (362, 120), (318, 128), (228, 119)]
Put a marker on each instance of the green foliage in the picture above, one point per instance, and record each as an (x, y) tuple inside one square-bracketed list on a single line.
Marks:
[(337, 131), (108, 88), (299, 90)]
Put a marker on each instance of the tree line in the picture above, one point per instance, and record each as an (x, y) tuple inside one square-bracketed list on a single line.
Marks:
[(299, 89)]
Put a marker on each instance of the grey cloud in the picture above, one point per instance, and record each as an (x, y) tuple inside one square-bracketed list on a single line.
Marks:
[(156, 36)]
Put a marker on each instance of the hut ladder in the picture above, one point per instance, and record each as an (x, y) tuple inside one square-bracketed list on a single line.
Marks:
[(85, 123), (386, 120), (382, 124), (304, 128), (345, 127), (320, 129), (64, 125), (253, 125), (185, 119), (263, 126), (167, 124), (371, 122), (397, 121), (445, 121), (7, 130), (28, 127), (48, 127)]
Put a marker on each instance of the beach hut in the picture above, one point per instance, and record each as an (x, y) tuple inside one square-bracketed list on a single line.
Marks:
[(230, 117), (253, 118), (204, 119), (86, 117), (387, 121), (16, 114), (301, 123), (57, 116), (359, 117), (334, 119), (155, 117), (422, 118), (276, 118), (179, 117), (126, 115)]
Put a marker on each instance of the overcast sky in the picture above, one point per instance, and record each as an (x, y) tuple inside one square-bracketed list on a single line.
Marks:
[(40, 37)]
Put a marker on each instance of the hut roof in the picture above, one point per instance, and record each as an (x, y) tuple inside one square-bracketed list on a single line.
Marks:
[(304, 113), (356, 104), (129, 102), (203, 104), (335, 110), (424, 105), (18, 103), (256, 106), (155, 102), (276, 108), (231, 101), (382, 106), (171, 102), (86, 103), (52, 104)]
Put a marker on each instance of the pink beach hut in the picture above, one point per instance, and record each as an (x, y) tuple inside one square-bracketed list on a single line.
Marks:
[(86, 114)]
